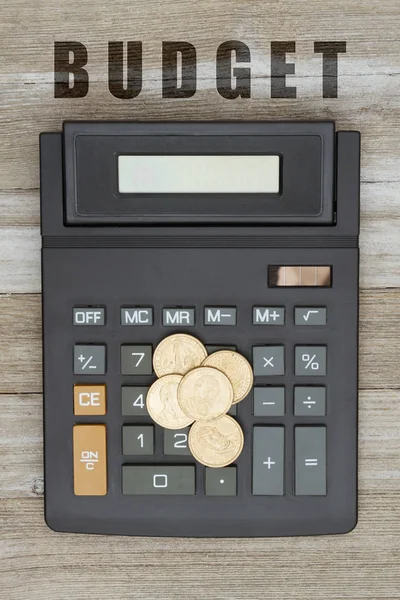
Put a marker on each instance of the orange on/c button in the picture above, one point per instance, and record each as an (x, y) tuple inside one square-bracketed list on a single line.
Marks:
[(89, 400), (90, 460)]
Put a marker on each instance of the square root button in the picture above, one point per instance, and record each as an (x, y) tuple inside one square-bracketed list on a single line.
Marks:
[(268, 360)]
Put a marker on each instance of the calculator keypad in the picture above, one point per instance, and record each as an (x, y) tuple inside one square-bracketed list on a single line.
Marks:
[(139, 433)]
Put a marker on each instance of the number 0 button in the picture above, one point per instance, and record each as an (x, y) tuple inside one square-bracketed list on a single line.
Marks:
[(136, 360)]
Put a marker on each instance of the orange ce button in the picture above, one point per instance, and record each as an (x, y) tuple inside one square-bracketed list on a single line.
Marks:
[(89, 400)]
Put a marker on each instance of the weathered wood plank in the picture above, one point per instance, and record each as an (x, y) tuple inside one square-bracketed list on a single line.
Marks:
[(380, 242), (20, 341)]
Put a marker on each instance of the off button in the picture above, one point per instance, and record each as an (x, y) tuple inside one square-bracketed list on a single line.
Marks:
[(90, 460)]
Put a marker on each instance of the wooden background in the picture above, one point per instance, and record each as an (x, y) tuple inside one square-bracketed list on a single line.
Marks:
[(36, 563)]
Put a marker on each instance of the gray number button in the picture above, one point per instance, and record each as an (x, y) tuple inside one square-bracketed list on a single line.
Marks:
[(310, 360), (158, 480), (269, 401), (309, 316), (134, 400), (176, 442), (137, 439), (268, 315), (310, 458), (268, 360), (136, 360), (268, 461), (309, 401), (89, 360), (221, 482)]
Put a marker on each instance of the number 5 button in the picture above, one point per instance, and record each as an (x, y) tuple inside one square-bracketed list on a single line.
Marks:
[(136, 360)]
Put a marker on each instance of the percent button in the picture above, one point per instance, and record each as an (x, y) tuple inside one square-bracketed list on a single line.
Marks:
[(310, 360)]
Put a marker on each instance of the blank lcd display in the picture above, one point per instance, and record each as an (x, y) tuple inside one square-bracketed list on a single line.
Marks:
[(168, 174)]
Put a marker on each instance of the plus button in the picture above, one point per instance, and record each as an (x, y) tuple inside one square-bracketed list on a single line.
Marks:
[(269, 462)]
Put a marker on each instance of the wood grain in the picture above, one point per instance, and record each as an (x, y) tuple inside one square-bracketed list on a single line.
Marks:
[(36, 563)]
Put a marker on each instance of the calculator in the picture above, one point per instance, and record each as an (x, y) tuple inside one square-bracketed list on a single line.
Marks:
[(243, 235)]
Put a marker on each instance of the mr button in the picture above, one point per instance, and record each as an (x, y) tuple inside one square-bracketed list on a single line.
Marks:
[(89, 400)]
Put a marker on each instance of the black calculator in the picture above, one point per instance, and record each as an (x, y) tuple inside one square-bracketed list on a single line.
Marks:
[(243, 235)]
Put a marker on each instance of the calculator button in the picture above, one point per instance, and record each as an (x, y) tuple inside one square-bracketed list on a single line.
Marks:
[(211, 349), (269, 401), (90, 460), (133, 401), (221, 482), (136, 316), (309, 401), (268, 360), (89, 400), (310, 458), (89, 316), (89, 360), (268, 461), (219, 315), (137, 360), (268, 315), (176, 442), (158, 480), (178, 317), (137, 439), (233, 410), (309, 316), (310, 360)]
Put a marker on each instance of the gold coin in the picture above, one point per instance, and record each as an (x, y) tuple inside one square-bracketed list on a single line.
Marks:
[(205, 394), (162, 403), (218, 443), (236, 368), (178, 354)]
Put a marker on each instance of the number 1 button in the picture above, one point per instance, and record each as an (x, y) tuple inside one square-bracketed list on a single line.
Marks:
[(136, 360)]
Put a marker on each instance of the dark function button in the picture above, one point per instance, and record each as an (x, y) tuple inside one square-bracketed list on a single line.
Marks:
[(310, 459), (268, 461)]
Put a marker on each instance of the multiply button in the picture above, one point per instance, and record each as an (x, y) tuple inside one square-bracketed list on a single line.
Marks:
[(268, 315), (89, 400), (310, 360), (90, 460), (89, 360), (268, 360), (219, 316)]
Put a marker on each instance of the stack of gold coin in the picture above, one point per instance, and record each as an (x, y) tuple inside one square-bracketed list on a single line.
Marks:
[(196, 389)]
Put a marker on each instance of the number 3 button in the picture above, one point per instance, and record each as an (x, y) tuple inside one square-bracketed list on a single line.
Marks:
[(136, 360)]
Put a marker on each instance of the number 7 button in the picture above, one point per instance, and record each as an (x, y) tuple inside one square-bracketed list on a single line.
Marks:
[(136, 360)]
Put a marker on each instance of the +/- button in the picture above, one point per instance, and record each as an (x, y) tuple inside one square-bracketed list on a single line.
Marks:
[(89, 360), (90, 460), (89, 400)]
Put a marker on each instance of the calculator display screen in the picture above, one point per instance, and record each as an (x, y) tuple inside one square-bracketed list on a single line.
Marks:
[(207, 174)]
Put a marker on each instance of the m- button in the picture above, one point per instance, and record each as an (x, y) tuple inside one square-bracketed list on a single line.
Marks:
[(219, 315), (89, 400)]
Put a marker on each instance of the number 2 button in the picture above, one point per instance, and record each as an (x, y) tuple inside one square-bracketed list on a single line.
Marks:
[(136, 360)]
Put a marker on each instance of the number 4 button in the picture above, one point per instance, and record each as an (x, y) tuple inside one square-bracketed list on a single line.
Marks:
[(136, 360)]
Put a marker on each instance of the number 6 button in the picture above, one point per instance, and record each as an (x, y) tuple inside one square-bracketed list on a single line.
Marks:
[(136, 360)]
